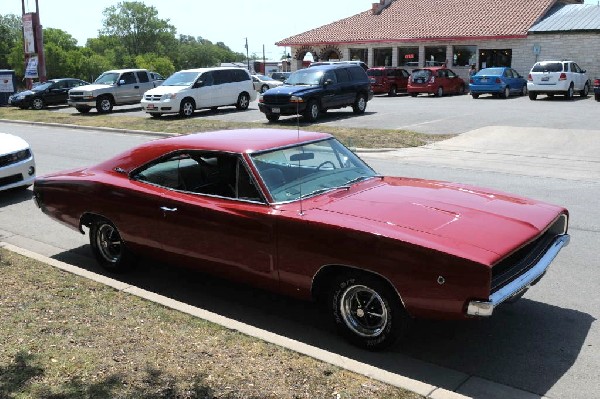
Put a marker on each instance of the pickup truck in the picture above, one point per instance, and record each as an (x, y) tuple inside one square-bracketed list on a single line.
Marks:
[(116, 87)]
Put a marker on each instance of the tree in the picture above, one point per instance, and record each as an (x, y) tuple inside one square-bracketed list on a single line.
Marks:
[(10, 34), (153, 62), (138, 27)]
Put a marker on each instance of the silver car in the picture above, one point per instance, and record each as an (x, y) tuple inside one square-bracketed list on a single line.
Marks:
[(263, 83)]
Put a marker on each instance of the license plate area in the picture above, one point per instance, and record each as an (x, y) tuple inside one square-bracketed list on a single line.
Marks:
[(150, 106), (276, 110)]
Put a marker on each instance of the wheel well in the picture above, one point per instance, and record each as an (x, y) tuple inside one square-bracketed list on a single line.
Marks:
[(190, 99), (109, 96), (87, 219), (323, 278)]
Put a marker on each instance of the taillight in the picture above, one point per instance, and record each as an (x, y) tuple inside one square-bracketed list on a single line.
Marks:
[(563, 76), (529, 77), (596, 82), (498, 80), (471, 80)]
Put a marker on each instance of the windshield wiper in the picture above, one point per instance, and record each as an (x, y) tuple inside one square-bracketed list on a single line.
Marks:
[(356, 180)]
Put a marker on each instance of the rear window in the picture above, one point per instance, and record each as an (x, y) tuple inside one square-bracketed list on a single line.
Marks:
[(374, 72), (421, 74), (358, 74), (547, 67)]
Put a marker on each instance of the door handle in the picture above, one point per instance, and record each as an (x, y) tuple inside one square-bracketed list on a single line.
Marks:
[(167, 209)]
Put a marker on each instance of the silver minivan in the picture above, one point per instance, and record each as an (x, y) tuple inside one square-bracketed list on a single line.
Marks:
[(191, 89)]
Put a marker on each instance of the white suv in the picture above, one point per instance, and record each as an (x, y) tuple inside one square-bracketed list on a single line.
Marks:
[(557, 77)]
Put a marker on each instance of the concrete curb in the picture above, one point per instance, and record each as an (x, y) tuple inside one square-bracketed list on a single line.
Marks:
[(421, 388)]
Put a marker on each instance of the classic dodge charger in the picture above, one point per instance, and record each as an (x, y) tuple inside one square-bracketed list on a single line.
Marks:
[(300, 214)]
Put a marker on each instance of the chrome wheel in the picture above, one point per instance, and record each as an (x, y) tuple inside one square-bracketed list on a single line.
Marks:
[(243, 101), (187, 108), (363, 311), (108, 243), (37, 104), (104, 105), (360, 105)]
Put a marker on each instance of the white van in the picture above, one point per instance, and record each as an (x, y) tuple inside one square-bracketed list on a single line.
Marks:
[(192, 89)]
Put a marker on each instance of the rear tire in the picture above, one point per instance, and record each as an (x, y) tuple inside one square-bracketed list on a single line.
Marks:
[(108, 247), (360, 105), (413, 94), (523, 91), (272, 117), (155, 115), (570, 92), (367, 311), (243, 101), (597, 97), (439, 92), (393, 91), (475, 95), (506, 92), (532, 96)]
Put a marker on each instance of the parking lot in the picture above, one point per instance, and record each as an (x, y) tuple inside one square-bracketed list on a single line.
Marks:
[(428, 114)]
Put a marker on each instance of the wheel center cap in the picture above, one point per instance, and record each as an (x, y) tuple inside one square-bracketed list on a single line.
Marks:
[(360, 313)]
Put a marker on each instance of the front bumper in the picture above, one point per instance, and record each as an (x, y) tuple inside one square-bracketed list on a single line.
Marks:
[(282, 109), (18, 174), (82, 103), (160, 107), (522, 283)]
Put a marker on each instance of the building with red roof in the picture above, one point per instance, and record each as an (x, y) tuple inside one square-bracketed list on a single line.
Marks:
[(458, 33)]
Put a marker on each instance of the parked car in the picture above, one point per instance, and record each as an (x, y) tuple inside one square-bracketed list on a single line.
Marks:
[(313, 90), (263, 83), (298, 213), (191, 89), (499, 81), (117, 87), (17, 164), (557, 77), (434, 80), (597, 89), (281, 76), (51, 92), (388, 80)]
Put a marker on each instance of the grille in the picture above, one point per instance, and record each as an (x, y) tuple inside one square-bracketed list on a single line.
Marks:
[(150, 97), (15, 157), (76, 93), (524, 259), (276, 99), (5, 181)]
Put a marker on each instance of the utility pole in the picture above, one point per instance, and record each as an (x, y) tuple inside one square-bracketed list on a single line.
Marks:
[(247, 55), (33, 41)]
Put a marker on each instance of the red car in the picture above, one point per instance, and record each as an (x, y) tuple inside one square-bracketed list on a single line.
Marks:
[(300, 214), (388, 80), (435, 80)]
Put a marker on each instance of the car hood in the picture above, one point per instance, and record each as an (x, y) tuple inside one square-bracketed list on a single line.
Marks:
[(160, 90), (289, 90), (24, 93), (10, 144), (458, 216), (92, 87)]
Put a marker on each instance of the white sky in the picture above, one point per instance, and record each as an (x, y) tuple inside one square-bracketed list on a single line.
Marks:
[(228, 21), (263, 22)]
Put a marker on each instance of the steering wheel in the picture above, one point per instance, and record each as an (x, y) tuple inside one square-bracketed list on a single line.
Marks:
[(325, 163)]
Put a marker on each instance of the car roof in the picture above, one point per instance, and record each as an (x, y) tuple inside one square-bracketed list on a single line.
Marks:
[(234, 141)]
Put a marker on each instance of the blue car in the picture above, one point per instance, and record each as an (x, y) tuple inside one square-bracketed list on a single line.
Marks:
[(499, 81)]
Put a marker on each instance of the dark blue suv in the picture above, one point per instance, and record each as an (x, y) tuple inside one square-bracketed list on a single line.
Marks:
[(309, 91)]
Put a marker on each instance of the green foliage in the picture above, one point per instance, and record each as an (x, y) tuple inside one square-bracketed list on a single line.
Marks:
[(133, 35)]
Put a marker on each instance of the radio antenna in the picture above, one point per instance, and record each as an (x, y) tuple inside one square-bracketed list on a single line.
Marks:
[(299, 158)]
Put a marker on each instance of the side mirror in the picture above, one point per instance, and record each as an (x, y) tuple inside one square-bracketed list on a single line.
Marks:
[(328, 82), (121, 82), (198, 84)]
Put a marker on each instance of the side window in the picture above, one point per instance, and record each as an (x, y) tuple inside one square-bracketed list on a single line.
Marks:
[(240, 75), (450, 74), (60, 85), (358, 74), (142, 76), (166, 173), (329, 75), (220, 77), (405, 73), (207, 79), (342, 75), (576, 68), (128, 77)]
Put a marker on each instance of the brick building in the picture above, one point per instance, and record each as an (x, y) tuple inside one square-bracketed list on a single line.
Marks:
[(486, 33)]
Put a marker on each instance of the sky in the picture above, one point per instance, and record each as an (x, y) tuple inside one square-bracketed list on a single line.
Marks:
[(262, 22)]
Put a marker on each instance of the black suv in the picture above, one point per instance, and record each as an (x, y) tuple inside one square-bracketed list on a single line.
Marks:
[(316, 89)]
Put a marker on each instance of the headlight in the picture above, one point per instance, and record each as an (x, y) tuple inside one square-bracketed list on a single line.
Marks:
[(296, 99), (88, 95), (169, 96)]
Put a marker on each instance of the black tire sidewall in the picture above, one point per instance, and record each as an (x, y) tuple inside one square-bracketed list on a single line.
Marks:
[(398, 320), (125, 261)]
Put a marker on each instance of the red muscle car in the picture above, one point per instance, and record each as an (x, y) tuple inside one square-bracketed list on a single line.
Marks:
[(300, 214)]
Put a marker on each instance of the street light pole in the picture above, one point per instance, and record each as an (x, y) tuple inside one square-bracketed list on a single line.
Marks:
[(247, 55)]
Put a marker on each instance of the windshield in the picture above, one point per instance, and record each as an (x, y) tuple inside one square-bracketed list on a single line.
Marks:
[(374, 72), (305, 77), (309, 169), (109, 78), (181, 79)]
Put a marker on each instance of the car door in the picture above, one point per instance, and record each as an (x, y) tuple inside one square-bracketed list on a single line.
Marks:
[(346, 88), (578, 76), (56, 93), (128, 89), (331, 97), (454, 82), (208, 218), (204, 91), (144, 83)]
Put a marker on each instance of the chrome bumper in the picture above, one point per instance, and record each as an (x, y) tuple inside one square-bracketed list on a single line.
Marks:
[(520, 284)]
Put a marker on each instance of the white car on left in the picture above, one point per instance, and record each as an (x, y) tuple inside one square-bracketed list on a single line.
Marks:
[(17, 164)]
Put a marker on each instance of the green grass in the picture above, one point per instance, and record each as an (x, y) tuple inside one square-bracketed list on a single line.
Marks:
[(352, 137), (65, 337)]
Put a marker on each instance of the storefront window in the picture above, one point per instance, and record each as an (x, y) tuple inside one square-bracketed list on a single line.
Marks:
[(359, 54), (408, 56), (464, 55), (435, 56), (382, 56), (495, 58)]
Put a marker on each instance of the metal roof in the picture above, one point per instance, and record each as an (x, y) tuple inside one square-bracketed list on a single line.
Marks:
[(572, 17)]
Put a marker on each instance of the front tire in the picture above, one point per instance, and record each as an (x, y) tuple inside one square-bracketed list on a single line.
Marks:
[(506, 92), (272, 117), (585, 91), (475, 95), (570, 93), (367, 311), (264, 88), (311, 113), (104, 105), (37, 104), (187, 107), (360, 105), (243, 101), (108, 247)]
